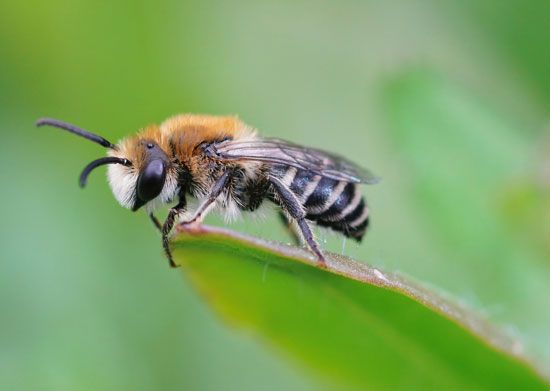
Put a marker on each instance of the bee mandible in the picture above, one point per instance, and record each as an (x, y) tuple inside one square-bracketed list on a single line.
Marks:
[(223, 163)]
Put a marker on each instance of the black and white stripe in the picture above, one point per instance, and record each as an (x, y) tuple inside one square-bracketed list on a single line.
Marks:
[(330, 203)]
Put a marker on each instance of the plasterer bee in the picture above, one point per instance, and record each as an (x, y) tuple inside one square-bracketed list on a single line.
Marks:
[(223, 163)]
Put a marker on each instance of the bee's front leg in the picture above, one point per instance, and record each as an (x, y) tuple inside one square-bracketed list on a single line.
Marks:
[(155, 221), (167, 227)]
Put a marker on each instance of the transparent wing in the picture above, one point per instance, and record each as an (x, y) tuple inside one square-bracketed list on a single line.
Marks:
[(277, 151)]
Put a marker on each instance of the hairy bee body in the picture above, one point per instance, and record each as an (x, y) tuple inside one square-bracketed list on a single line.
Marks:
[(222, 162), (190, 171)]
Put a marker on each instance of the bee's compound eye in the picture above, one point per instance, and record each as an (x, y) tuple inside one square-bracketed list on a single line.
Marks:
[(151, 180)]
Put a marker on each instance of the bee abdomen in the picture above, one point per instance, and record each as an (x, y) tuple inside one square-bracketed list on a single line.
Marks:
[(330, 203)]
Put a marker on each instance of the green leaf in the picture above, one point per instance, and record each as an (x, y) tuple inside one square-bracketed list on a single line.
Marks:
[(470, 172), (358, 326)]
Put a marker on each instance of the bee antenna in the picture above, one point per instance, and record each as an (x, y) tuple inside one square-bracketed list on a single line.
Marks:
[(76, 130), (100, 162)]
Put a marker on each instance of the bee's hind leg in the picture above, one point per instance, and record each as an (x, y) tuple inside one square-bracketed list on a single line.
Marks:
[(291, 228), (295, 209), (308, 236)]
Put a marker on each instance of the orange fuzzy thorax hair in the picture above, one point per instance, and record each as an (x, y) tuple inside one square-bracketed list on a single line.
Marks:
[(186, 131), (182, 134)]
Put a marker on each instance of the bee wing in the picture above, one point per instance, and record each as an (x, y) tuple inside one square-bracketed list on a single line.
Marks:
[(278, 151)]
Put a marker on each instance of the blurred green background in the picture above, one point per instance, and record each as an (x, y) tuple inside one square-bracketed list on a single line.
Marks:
[(448, 101)]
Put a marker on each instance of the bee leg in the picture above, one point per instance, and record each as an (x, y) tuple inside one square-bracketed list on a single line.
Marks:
[(295, 209), (155, 221), (308, 236), (291, 228), (217, 189), (167, 227)]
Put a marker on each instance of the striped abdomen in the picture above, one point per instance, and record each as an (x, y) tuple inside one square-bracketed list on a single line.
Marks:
[(330, 203)]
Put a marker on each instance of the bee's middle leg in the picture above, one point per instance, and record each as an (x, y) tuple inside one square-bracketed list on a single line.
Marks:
[(203, 208)]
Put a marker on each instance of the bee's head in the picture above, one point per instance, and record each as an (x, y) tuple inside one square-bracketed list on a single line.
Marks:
[(140, 173), (149, 177)]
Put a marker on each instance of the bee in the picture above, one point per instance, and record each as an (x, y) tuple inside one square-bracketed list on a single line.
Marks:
[(223, 163)]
